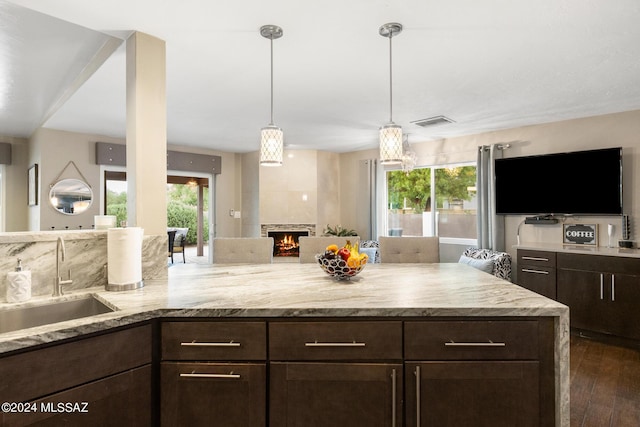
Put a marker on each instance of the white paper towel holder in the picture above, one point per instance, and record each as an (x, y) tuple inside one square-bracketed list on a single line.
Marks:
[(124, 249), (124, 286)]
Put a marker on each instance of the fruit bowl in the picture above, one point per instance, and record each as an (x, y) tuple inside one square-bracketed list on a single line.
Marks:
[(338, 268)]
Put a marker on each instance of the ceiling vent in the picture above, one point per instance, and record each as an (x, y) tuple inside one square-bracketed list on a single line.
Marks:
[(433, 121)]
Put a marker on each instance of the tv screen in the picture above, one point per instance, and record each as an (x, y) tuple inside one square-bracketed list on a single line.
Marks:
[(575, 183)]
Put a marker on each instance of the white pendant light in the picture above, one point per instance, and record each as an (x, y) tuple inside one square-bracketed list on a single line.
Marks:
[(271, 136), (391, 133), (409, 157)]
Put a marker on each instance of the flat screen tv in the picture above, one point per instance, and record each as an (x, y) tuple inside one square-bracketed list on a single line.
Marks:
[(575, 183)]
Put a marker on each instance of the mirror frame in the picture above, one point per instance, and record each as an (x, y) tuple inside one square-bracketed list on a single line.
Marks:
[(71, 188)]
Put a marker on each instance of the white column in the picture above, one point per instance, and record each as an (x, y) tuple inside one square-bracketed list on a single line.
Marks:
[(146, 133)]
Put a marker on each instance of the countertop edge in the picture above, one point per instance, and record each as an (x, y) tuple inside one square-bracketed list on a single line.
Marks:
[(96, 325)]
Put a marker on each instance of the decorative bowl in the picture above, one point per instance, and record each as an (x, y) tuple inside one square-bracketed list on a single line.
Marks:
[(338, 268)]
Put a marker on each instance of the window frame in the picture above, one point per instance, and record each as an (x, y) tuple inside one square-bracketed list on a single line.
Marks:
[(383, 225)]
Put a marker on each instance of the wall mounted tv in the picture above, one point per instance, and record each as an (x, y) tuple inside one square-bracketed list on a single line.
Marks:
[(574, 183)]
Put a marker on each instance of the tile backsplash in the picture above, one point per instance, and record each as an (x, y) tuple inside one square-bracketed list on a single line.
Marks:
[(86, 258)]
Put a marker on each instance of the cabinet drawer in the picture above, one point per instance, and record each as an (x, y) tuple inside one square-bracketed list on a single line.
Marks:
[(36, 373), (599, 263), (130, 389), (539, 279), (214, 341), (335, 340), (536, 258), (467, 340), (211, 394)]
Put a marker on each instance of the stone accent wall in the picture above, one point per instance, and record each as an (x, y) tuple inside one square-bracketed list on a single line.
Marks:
[(264, 228)]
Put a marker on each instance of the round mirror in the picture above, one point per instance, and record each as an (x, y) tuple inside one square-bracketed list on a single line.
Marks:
[(70, 196)]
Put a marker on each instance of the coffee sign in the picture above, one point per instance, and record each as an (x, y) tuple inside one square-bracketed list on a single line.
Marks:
[(580, 234)]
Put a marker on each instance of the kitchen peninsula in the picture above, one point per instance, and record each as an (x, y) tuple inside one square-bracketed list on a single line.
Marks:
[(394, 332)]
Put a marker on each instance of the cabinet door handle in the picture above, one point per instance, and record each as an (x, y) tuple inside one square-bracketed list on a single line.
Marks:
[(210, 344), (230, 375), (393, 398), (334, 344), (417, 374), (613, 287), (528, 270), (601, 286), (533, 258), (474, 344)]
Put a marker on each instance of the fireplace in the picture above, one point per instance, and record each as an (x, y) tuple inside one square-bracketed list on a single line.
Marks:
[(285, 243)]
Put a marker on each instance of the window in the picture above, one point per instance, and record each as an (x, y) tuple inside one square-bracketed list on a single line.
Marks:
[(432, 201), (115, 203)]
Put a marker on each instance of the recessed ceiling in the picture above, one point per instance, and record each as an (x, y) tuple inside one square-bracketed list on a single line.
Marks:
[(486, 65)]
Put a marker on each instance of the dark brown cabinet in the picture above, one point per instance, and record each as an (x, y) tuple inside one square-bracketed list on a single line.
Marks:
[(335, 394), (213, 394), (101, 374), (475, 394), (346, 372), (339, 374), (537, 271), (479, 373), (213, 373), (602, 293), (294, 372)]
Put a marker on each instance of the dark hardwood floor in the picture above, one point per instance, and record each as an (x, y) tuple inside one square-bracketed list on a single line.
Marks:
[(605, 384)]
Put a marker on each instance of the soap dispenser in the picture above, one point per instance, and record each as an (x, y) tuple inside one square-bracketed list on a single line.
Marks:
[(19, 284)]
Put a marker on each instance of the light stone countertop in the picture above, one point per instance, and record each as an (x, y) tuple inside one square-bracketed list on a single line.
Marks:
[(581, 249), (304, 290), (297, 290)]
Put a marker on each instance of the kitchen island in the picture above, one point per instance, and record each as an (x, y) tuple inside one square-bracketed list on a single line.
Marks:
[(410, 296)]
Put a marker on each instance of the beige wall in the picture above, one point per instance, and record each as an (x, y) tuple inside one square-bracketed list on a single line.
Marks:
[(250, 200), (53, 150), (14, 196), (304, 190), (328, 190), (330, 180), (622, 129)]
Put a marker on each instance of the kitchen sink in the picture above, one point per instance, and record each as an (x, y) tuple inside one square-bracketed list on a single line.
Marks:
[(15, 319)]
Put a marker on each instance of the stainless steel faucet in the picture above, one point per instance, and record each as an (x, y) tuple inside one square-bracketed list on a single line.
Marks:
[(58, 282)]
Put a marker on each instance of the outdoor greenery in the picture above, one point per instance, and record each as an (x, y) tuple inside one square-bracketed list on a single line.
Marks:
[(415, 187), (117, 205), (182, 209)]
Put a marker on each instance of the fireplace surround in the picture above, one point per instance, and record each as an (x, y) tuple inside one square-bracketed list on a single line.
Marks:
[(285, 237), (285, 243)]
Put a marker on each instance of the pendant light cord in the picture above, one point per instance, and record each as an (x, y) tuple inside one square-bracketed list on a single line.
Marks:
[(390, 79), (271, 122)]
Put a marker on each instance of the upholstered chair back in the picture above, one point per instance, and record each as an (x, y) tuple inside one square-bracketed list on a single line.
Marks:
[(409, 249), (499, 263), (243, 250)]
